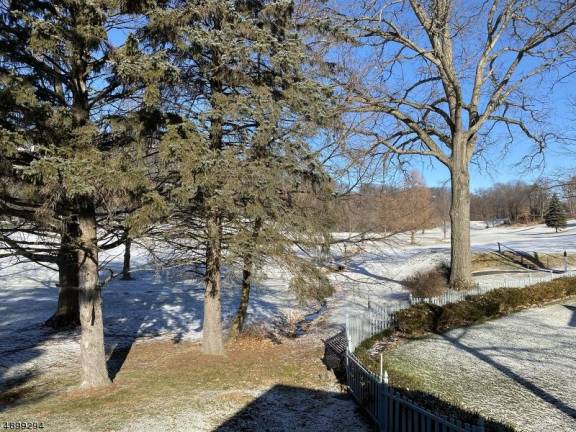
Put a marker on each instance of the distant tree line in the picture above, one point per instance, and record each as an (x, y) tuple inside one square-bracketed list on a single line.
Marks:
[(409, 206), (514, 202), (412, 206), (521, 202)]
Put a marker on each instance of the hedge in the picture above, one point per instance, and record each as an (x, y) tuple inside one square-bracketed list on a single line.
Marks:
[(425, 318)]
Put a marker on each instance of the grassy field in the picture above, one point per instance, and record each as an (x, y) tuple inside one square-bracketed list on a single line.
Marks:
[(167, 386)]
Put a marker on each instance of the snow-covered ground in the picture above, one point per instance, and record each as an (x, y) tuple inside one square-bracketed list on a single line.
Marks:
[(168, 304), (518, 370), (374, 275)]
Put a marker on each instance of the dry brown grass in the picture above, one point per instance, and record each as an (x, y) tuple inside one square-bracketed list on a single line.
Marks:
[(508, 261), (492, 261), (254, 334), (160, 378)]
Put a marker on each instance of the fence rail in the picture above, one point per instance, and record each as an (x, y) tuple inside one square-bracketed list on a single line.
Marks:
[(391, 410), (374, 321)]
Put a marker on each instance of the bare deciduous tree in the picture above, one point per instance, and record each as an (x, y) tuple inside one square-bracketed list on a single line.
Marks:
[(444, 78)]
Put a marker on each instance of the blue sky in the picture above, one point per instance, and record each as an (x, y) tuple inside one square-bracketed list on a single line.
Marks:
[(507, 165), (556, 99), (504, 166)]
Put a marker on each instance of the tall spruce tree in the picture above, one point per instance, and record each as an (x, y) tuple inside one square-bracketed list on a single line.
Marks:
[(555, 216), (67, 96), (240, 114)]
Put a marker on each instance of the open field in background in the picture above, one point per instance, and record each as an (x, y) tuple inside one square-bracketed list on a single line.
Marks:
[(166, 307)]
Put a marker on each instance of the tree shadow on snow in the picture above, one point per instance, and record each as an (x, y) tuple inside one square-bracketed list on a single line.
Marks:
[(151, 305), (22, 334), (523, 381), (163, 305)]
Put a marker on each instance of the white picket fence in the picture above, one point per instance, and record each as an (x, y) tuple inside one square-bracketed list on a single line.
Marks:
[(373, 321), (380, 318), (484, 287), (392, 410)]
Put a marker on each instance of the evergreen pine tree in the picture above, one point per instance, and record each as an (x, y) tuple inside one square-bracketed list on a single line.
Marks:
[(242, 113), (555, 216), (69, 101)]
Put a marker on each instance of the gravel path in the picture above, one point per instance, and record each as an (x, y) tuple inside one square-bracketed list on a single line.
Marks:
[(519, 370)]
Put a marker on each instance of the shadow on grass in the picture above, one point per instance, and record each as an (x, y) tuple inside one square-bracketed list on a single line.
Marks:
[(150, 306), (15, 391), (572, 322), (527, 384), (288, 408)]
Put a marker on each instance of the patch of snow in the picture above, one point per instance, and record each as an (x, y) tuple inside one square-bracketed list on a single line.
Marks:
[(168, 304), (517, 369)]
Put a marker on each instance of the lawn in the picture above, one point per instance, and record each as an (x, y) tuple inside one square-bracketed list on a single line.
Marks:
[(517, 370), (172, 386)]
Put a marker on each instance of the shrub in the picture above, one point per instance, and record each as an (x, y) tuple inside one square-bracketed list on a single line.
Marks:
[(255, 334), (431, 283), (460, 314), (426, 318), (418, 319)]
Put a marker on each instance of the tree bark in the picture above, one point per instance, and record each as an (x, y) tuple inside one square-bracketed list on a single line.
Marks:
[(212, 339), (238, 323), (92, 355), (67, 313), (126, 266), (247, 271), (461, 255)]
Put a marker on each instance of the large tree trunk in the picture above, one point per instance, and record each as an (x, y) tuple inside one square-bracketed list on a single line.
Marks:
[(92, 355), (461, 255), (126, 266), (67, 313), (212, 340)]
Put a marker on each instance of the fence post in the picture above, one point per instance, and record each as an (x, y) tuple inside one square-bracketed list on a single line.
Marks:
[(381, 366), (384, 402), (348, 338), (499, 249)]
